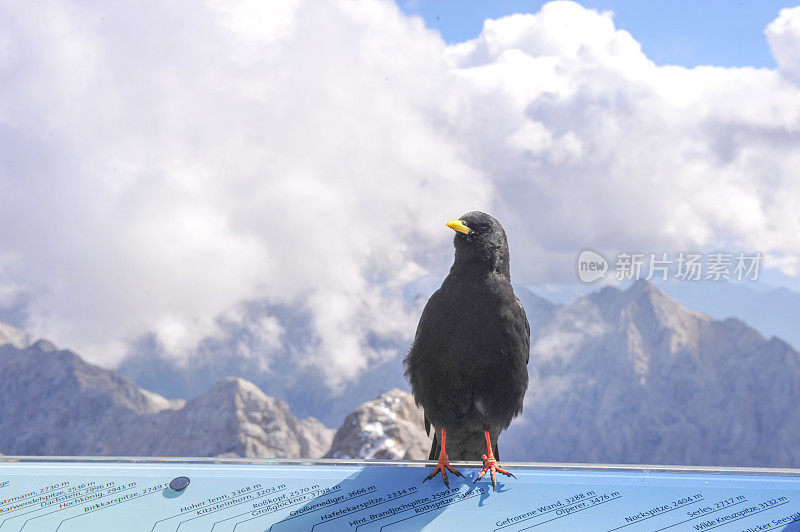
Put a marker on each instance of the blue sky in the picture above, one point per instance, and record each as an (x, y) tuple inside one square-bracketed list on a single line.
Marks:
[(678, 32)]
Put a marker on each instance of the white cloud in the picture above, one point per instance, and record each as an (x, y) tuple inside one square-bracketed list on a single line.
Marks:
[(163, 163), (170, 161), (783, 35), (590, 144)]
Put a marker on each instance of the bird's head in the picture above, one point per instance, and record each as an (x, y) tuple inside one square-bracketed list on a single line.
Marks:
[(481, 241)]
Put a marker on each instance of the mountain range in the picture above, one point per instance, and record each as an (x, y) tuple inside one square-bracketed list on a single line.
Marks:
[(770, 310), (617, 377), (55, 403), (634, 377)]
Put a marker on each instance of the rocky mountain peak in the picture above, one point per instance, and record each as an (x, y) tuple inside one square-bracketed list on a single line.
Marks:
[(236, 418), (644, 316), (390, 427), (44, 345), (640, 297)]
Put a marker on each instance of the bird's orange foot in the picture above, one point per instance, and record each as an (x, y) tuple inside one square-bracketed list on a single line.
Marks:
[(443, 466), (490, 464)]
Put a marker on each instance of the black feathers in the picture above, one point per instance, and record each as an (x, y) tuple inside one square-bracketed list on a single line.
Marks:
[(467, 365)]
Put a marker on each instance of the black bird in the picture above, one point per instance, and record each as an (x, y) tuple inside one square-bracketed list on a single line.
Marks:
[(467, 365)]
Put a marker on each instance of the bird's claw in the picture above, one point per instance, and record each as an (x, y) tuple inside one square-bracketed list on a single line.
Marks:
[(443, 466), (434, 473), (490, 465)]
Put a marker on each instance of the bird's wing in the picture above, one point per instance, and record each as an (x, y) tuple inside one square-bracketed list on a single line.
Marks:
[(426, 341), (425, 363), (427, 426), (431, 317)]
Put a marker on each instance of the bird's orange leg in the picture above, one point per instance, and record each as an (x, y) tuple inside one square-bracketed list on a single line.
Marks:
[(443, 465), (490, 464)]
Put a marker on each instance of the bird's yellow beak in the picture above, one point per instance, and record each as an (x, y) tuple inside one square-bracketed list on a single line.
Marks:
[(458, 225)]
